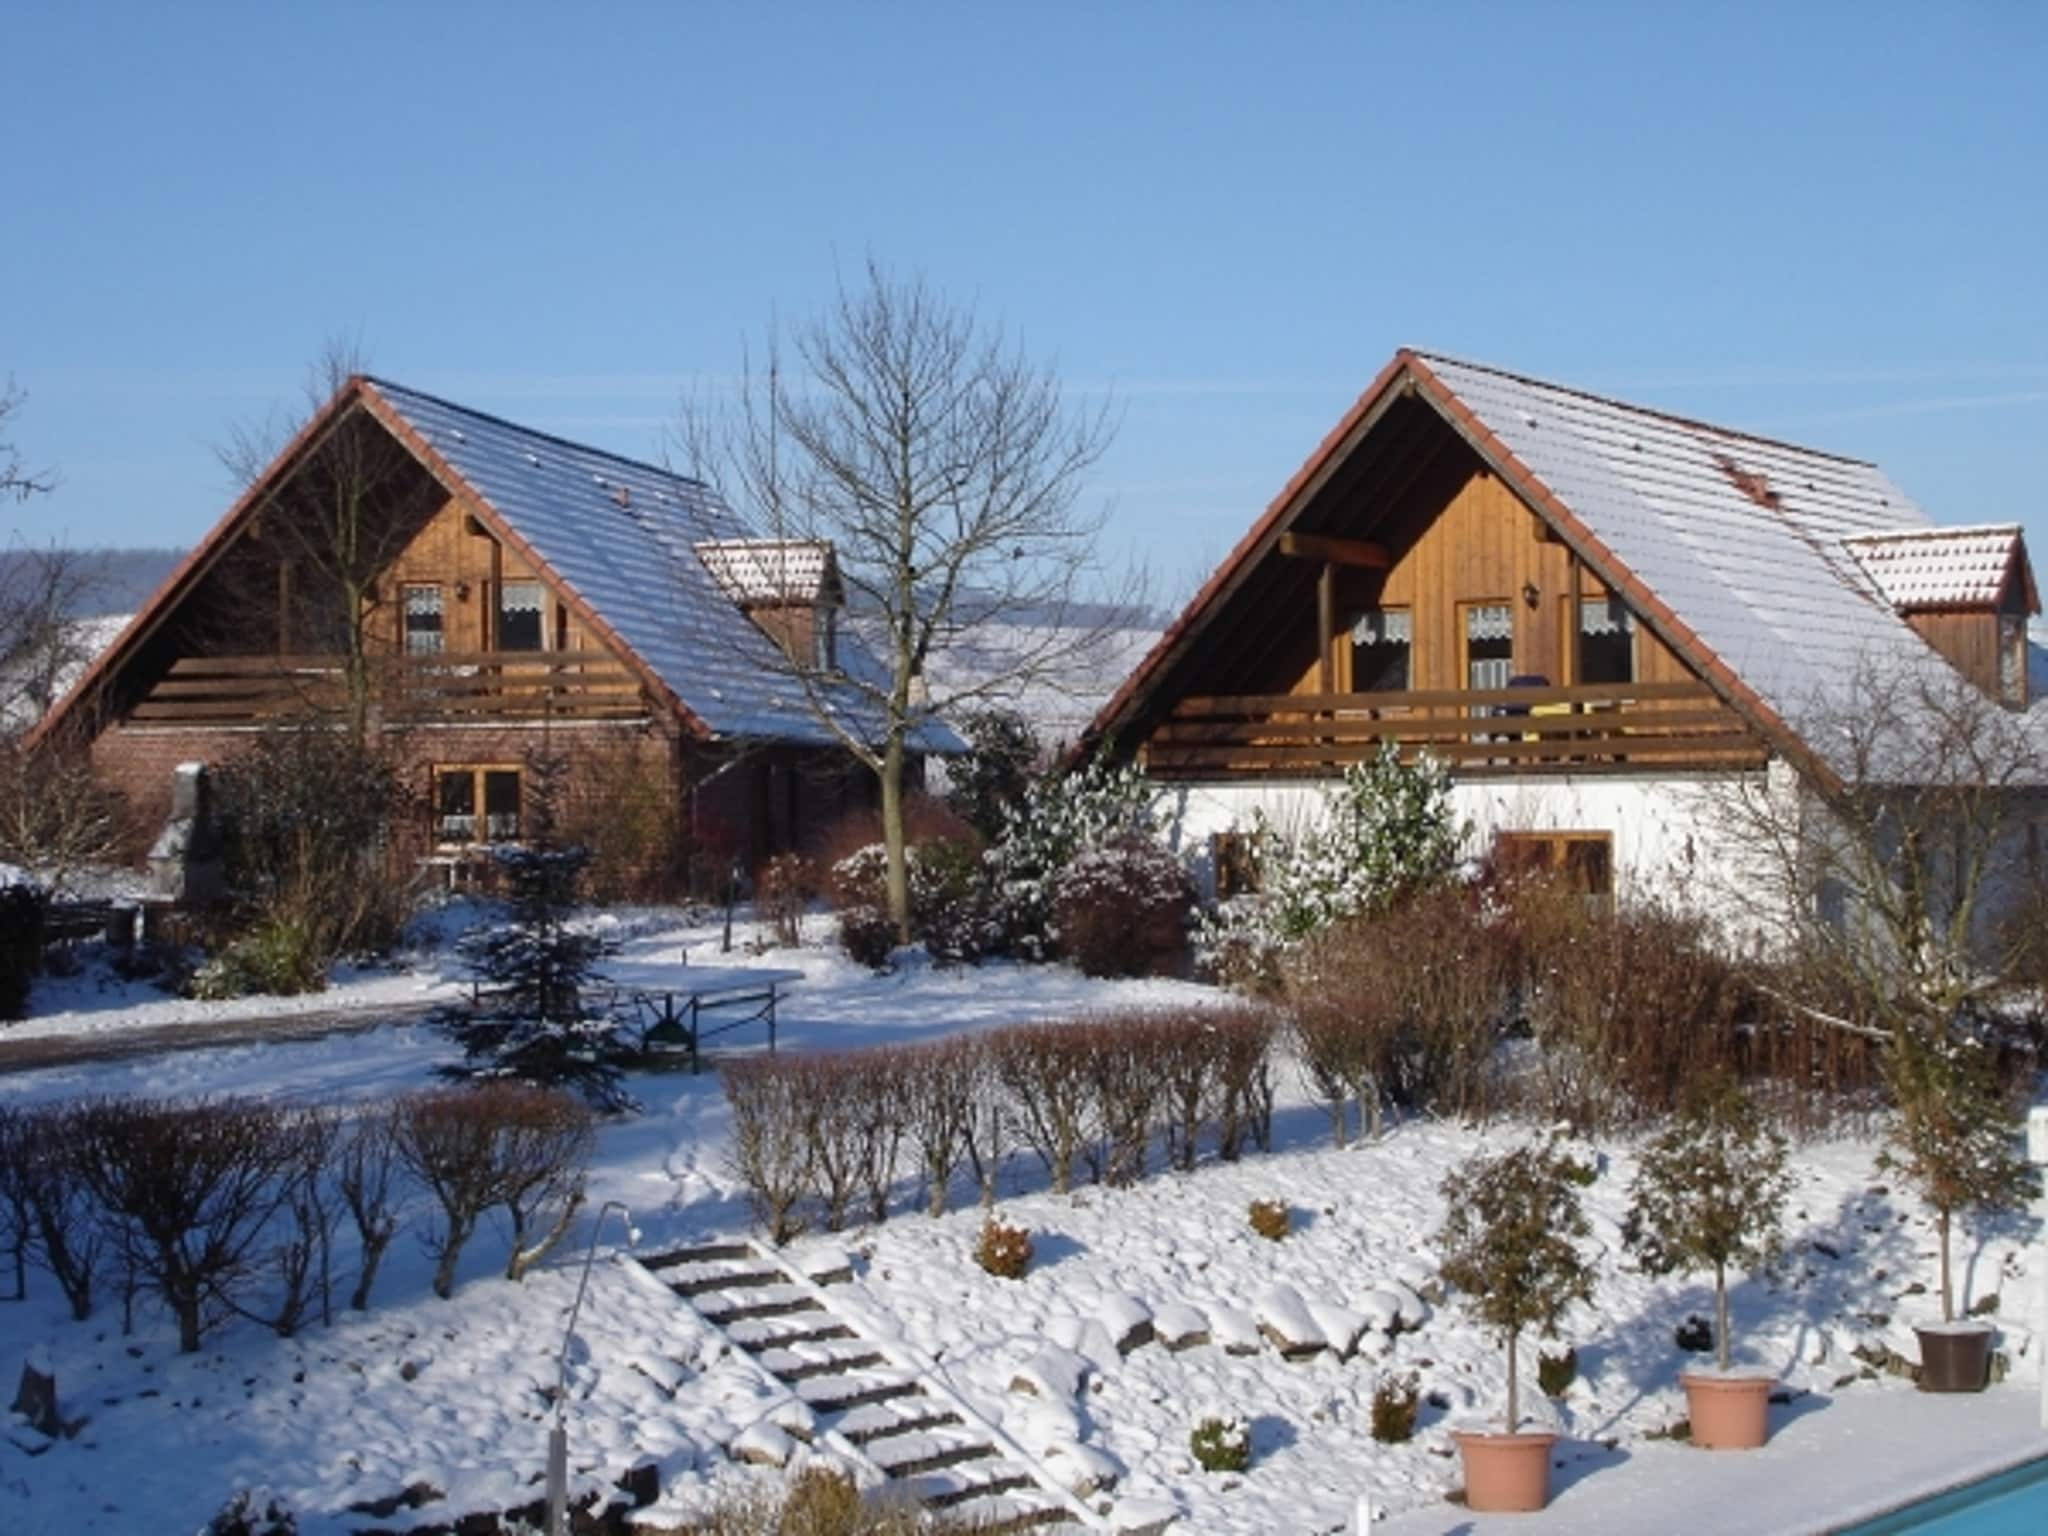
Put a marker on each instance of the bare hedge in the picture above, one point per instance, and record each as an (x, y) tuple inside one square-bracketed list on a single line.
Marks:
[(229, 1207), (818, 1137)]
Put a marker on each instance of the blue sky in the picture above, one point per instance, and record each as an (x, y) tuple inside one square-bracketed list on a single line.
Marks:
[(1823, 222)]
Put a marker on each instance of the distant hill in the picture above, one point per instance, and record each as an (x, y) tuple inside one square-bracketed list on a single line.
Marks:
[(121, 579)]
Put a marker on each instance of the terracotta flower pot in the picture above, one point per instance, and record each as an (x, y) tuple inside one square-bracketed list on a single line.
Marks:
[(1727, 1413), (1505, 1474), (1954, 1357)]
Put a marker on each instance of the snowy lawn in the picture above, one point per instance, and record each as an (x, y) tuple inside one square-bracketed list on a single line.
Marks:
[(451, 1393)]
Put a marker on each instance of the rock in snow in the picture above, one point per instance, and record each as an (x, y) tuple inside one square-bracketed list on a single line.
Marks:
[(1053, 1372), (1284, 1319), (1179, 1326), (1128, 1321)]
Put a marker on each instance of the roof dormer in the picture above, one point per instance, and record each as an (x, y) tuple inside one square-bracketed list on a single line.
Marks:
[(790, 588), (1968, 592)]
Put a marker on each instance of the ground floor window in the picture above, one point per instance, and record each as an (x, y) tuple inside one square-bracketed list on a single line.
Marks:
[(476, 804), (1580, 861)]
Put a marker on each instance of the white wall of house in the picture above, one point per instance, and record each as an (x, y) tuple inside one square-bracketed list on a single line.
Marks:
[(1665, 833)]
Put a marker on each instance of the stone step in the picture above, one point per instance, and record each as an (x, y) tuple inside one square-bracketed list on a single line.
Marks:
[(762, 1301), (763, 1333), (1003, 1515), (835, 1394), (877, 1422), (835, 1358), (910, 1455), (950, 1487), (703, 1253), (740, 1275)]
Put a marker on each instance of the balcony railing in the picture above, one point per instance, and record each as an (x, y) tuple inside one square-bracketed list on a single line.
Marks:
[(475, 687), (1590, 728)]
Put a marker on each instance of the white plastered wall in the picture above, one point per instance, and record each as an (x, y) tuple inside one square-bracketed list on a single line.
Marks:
[(1663, 826)]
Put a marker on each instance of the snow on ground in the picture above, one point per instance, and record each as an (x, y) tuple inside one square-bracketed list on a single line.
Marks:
[(450, 1392)]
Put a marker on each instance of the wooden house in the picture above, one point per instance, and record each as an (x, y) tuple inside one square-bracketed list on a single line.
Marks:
[(1584, 607), (480, 597)]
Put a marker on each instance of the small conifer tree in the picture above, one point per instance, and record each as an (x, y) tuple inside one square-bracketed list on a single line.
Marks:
[(1953, 1135), (1710, 1192), (1510, 1243), (535, 1020)]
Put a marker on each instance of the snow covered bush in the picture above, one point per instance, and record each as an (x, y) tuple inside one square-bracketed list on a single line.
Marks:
[(1271, 1219), (1386, 827), (1003, 754), (1403, 1005), (535, 1020), (853, 1123), (1632, 1007), (1003, 1251), (1396, 1403), (1510, 1243), (1121, 908), (786, 885), (1057, 817), (52, 1219), (1954, 1132), (771, 1151), (366, 1168), (1221, 1442), (22, 903), (1046, 1075), (1710, 1192), (498, 1145), (950, 904), (1243, 1041), (253, 1512), (188, 1189)]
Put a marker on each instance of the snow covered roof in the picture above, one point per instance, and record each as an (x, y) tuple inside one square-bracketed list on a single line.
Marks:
[(1731, 545), (1922, 568), (771, 570), (619, 539)]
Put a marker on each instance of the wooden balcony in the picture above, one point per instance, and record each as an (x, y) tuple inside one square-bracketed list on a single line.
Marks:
[(469, 688), (1591, 728)]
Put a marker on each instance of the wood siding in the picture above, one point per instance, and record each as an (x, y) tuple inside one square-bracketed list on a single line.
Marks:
[(1479, 544), (455, 553)]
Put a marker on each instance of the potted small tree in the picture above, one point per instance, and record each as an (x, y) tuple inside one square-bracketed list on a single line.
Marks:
[(1510, 1245), (1954, 1138), (1710, 1192)]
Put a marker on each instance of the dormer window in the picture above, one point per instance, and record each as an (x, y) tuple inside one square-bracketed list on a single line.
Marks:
[(790, 588), (825, 639)]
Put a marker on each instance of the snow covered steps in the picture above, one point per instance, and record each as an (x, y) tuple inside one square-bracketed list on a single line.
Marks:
[(850, 1385)]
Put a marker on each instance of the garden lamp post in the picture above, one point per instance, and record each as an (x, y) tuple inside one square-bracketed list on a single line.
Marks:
[(558, 1437), (2037, 1154)]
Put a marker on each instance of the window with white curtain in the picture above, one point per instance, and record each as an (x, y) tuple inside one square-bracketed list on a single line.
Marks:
[(424, 635), (1381, 645), (519, 616), (1607, 641), (1489, 645)]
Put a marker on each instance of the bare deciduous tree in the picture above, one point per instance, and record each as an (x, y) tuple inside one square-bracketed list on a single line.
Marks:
[(17, 480), (945, 470), (336, 523), (1890, 859)]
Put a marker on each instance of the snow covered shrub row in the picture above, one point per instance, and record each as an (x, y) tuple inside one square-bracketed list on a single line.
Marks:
[(1386, 827), (225, 1207), (826, 1136)]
